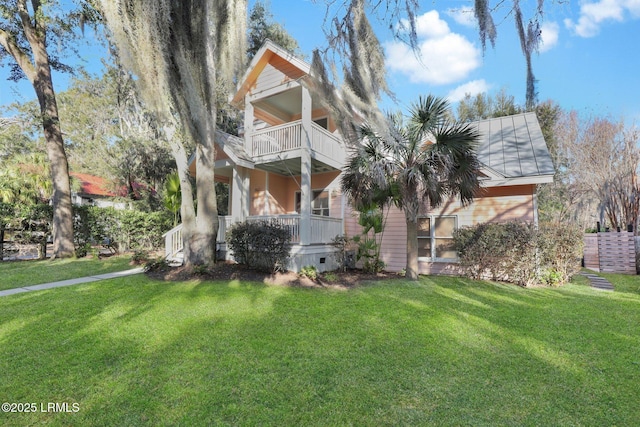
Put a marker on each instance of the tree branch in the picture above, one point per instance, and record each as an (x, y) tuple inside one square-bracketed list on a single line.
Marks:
[(23, 60)]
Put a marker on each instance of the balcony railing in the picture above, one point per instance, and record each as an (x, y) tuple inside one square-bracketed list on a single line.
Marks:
[(277, 139)]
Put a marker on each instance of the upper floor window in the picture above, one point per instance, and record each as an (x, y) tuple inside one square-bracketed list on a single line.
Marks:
[(435, 237)]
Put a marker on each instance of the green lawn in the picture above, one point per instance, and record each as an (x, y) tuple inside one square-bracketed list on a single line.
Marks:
[(16, 274), (444, 351)]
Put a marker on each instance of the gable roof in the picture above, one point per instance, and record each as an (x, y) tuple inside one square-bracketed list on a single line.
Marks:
[(514, 148), (264, 56)]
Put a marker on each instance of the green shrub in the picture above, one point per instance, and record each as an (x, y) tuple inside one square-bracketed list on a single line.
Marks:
[(309, 271), (157, 264), (502, 251), (127, 229), (342, 246), (551, 277), (518, 253), (262, 245), (330, 276), (561, 247), (140, 257)]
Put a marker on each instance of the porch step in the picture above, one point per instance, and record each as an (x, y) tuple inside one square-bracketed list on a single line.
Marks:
[(177, 260)]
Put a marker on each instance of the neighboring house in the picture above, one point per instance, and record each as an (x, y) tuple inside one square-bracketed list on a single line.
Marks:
[(94, 191), (286, 167)]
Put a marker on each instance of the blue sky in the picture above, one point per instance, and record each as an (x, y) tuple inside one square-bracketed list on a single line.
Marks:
[(589, 60)]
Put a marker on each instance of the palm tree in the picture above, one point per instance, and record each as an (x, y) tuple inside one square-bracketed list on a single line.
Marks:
[(424, 159), (172, 195), (25, 179)]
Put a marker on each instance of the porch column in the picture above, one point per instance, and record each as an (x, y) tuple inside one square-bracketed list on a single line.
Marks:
[(240, 194), (248, 125), (305, 170)]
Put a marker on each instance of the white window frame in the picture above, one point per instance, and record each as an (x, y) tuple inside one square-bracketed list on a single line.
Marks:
[(298, 194), (433, 237)]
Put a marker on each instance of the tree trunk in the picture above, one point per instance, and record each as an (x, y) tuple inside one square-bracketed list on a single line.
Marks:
[(187, 210), (39, 74), (412, 250), (203, 239), (61, 199)]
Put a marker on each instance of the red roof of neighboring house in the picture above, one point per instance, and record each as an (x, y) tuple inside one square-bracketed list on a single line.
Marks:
[(93, 185)]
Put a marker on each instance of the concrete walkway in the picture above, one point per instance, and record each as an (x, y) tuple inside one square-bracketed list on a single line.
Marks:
[(70, 282), (598, 282)]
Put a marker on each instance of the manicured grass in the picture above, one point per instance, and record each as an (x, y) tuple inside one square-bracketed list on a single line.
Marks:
[(14, 274), (623, 282), (444, 351)]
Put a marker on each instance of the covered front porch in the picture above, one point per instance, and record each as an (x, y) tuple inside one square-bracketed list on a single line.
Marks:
[(323, 230)]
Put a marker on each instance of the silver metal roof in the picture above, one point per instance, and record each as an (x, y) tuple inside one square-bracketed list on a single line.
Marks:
[(514, 146)]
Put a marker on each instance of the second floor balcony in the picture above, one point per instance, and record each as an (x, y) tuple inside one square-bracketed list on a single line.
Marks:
[(285, 142)]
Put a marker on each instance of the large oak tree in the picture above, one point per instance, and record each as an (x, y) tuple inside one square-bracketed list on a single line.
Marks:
[(27, 31)]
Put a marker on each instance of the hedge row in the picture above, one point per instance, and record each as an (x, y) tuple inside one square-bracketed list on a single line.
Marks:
[(124, 229), (519, 253)]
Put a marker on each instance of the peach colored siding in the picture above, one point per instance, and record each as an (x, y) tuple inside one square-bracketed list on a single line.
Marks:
[(282, 189), (220, 154), (496, 204), (278, 192)]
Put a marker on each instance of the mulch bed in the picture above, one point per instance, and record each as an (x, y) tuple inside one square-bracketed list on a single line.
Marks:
[(230, 271)]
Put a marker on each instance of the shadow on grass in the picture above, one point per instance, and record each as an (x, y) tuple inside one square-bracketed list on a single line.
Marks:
[(441, 351)]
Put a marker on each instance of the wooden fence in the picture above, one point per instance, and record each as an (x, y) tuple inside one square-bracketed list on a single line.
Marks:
[(612, 252)]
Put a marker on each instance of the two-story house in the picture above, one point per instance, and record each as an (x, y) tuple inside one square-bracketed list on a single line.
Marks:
[(286, 167)]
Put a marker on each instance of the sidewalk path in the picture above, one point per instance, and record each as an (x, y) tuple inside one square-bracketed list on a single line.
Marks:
[(70, 282), (598, 282)]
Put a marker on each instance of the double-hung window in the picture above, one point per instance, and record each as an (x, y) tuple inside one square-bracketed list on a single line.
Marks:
[(435, 238), (319, 202)]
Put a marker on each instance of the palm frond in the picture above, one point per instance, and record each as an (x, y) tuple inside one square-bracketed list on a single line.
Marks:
[(425, 115)]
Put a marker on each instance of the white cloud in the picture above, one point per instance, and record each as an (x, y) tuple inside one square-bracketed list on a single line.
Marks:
[(430, 25), (445, 57), (473, 88), (463, 16), (549, 34), (593, 15)]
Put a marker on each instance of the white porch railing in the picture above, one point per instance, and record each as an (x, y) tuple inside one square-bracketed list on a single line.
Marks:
[(174, 244), (277, 139), (289, 221), (324, 228)]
